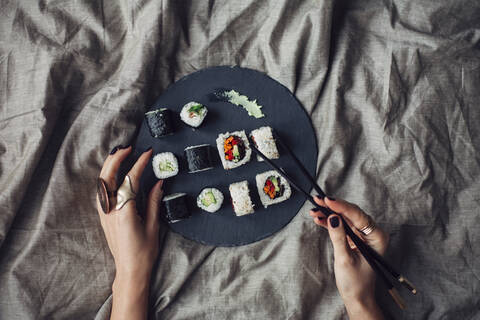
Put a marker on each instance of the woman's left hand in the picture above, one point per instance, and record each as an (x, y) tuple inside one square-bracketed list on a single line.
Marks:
[(133, 241)]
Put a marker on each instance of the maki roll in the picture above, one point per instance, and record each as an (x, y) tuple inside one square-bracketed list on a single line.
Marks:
[(234, 149), (159, 122), (210, 199), (265, 143), (241, 201), (175, 207), (165, 165), (193, 114), (272, 188), (199, 158)]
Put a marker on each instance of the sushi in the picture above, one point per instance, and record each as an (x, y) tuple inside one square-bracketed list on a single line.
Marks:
[(159, 122), (272, 188), (199, 158), (265, 143), (241, 201), (210, 199), (193, 114), (234, 149), (165, 165), (175, 207)]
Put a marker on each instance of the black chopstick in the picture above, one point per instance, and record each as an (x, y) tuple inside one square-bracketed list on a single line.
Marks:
[(399, 277), (317, 188), (362, 247)]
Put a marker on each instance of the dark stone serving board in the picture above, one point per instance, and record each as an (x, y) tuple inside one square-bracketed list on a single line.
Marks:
[(282, 112)]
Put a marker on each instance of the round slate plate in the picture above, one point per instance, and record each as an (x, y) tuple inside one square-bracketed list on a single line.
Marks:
[(282, 112)]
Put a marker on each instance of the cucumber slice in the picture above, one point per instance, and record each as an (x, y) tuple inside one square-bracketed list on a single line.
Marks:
[(166, 166), (208, 199)]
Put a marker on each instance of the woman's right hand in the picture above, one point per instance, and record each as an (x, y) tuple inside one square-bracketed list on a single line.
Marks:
[(354, 277)]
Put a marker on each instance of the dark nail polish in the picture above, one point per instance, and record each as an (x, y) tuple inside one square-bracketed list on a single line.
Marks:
[(125, 147), (315, 209), (319, 196), (115, 149), (334, 222), (331, 198), (149, 148)]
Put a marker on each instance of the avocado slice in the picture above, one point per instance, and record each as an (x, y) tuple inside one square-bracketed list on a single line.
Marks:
[(209, 199), (276, 183), (166, 166), (236, 152)]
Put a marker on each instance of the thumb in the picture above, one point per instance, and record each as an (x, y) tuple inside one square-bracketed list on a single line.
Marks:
[(153, 208), (336, 231)]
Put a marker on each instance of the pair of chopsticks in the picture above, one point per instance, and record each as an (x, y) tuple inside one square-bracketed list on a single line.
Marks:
[(375, 260)]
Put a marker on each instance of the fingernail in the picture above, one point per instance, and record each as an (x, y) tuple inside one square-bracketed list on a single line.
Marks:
[(334, 222), (125, 147), (315, 209), (149, 148), (115, 149), (331, 198), (319, 196)]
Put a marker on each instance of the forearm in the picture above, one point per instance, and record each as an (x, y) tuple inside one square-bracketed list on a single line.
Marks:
[(130, 298), (364, 310)]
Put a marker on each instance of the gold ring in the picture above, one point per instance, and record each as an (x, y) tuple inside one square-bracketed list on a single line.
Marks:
[(125, 193), (369, 227)]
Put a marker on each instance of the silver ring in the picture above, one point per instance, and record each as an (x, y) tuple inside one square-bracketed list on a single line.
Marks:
[(369, 227), (125, 193)]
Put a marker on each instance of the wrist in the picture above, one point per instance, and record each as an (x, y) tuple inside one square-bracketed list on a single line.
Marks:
[(363, 308), (130, 297), (132, 282)]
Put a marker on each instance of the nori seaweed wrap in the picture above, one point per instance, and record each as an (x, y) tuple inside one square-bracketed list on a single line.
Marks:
[(176, 208), (159, 122), (199, 158)]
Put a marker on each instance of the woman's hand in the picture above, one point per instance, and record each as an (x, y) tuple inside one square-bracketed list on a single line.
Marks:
[(133, 241), (354, 277)]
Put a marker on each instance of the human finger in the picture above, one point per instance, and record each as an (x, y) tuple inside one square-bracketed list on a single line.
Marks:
[(136, 171), (153, 208), (377, 239), (341, 249), (319, 201), (111, 166), (321, 222)]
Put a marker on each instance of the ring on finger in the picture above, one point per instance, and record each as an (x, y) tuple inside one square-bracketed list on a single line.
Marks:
[(105, 197), (366, 230), (125, 193)]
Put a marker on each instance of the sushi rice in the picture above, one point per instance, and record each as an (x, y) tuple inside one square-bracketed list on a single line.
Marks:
[(193, 114), (165, 165), (261, 180), (265, 143), (221, 149), (241, 201), (210, 199)]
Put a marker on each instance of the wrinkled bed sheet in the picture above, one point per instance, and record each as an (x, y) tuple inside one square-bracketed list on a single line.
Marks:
[(393, 91)]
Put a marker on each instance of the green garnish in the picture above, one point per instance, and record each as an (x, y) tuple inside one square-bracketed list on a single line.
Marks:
[(236, 152), (196, 108), (166, 166), (252, 107), (275, 183), (208, 199)]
